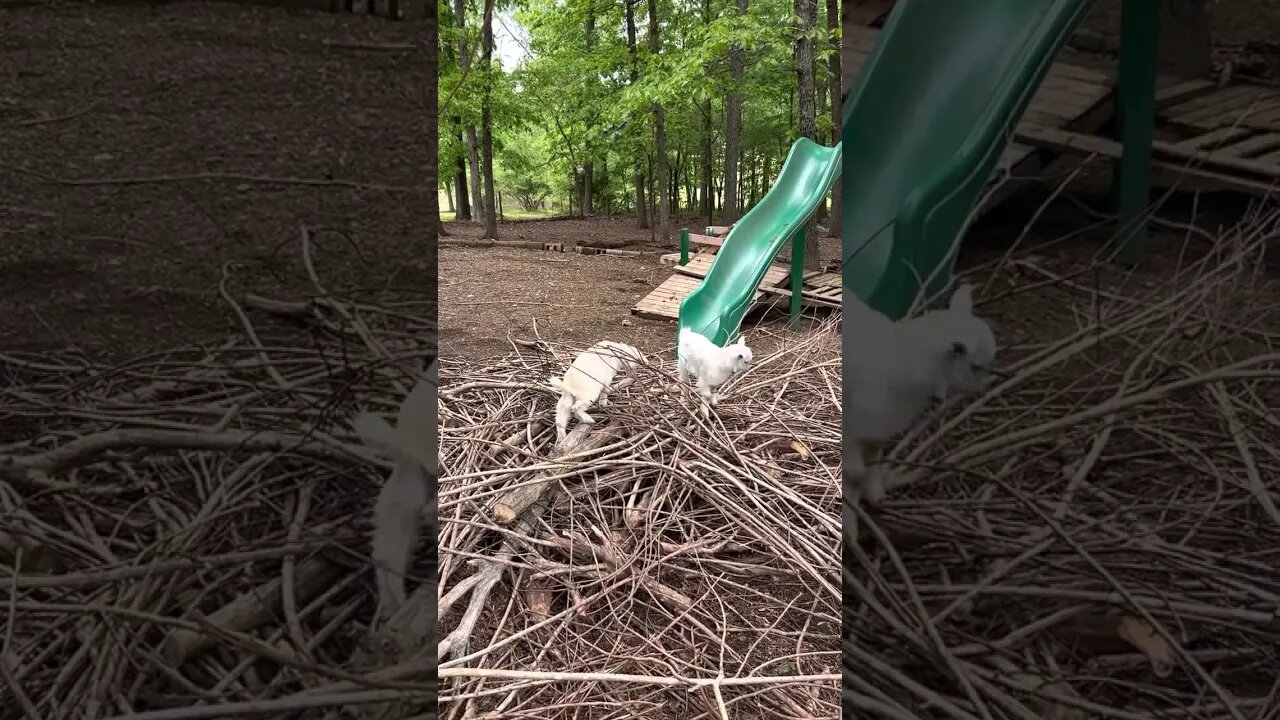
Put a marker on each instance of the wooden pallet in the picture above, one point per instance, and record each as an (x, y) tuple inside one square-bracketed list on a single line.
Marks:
[(1234, 129), (1254, 176), (1248, 106), (819, 289), (664, 302)]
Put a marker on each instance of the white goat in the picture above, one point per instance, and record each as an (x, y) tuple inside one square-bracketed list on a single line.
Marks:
[(896, 371), (711, 364), (589, 380), (397, 514)]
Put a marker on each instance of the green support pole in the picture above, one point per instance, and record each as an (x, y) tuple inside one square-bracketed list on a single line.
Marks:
[(797, 273), (1131, 181), (684, 246)]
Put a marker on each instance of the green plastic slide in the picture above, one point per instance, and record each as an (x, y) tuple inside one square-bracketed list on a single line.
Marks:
[(716, 308), (931, 112)]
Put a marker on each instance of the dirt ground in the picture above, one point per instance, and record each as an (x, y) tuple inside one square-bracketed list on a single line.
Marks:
[(489, 296), (112, 241)]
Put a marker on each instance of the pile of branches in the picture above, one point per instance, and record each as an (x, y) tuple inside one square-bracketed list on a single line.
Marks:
[(653, 565), (185, 534), (1095, 537)]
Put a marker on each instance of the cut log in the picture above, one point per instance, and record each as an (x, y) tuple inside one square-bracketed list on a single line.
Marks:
[(582, 439)]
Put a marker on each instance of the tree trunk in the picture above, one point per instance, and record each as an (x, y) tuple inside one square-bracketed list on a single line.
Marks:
[(458, 201), (476, 208), (433, 172), (448, 194), (820, 216), (833, 72), (767, 174), (1186, 41), (708, 160), (807, 12), (674, 185), (733, 128), (660, 134), (642, 210), (587, 175), (486, 124), (460, 187)]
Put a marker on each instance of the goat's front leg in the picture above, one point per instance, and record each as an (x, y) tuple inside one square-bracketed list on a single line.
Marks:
[(708, 398), (682, 367)]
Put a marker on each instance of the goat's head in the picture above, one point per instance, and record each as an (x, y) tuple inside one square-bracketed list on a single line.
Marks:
[(739, 355), (970, 344)]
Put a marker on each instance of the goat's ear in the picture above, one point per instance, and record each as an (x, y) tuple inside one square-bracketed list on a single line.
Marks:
[(962, 298)]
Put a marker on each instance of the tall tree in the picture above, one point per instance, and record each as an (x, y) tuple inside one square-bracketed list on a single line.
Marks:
[(463, 207), (807, 14), (587, 170), (708, 160), (486, 123), (1186, 42), (733, 128), (833, 78), (433, 75), (471, 141), (660, 134), (642, 211)]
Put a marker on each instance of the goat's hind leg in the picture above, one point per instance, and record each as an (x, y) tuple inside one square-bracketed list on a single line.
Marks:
[(863, 473), (396, 523)]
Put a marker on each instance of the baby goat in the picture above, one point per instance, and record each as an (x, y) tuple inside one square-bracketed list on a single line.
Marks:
[(397, 513), (898, 369), (589, 380), (711, 364)]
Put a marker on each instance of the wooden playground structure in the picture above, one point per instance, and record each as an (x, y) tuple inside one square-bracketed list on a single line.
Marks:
[(1206, 136)]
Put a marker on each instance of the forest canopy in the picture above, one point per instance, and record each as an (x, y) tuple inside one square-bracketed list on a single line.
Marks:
[(612, 97)]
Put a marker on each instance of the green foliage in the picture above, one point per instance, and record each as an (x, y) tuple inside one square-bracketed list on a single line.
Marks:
[(572, 102)]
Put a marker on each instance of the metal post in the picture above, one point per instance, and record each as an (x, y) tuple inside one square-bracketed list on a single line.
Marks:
[(684, 246), (797, 273), (1131, 179)]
